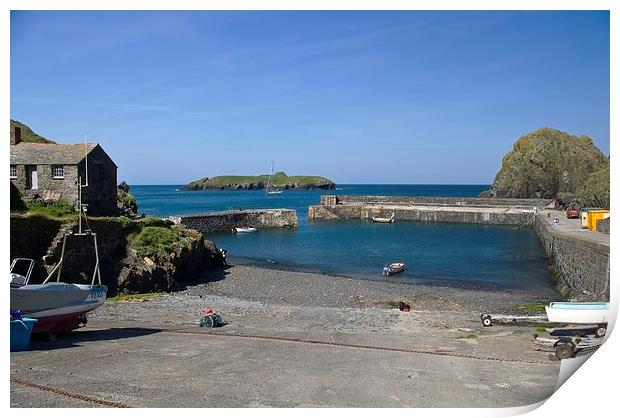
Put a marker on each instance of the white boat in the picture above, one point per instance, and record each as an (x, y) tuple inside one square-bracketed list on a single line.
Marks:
[(578, 312), (383, 220), (393, 268), (57, 306), (271, 192), (245, 229)]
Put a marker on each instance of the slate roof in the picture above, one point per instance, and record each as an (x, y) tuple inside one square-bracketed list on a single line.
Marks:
[(36, 153)]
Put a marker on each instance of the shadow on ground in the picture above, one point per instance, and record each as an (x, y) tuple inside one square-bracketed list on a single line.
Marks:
[(73, 339), (208, 276)]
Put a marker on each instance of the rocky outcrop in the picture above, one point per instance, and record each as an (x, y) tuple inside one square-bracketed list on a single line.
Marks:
[(548, 163), (125, 268), (279, 181), (125, 201), (188, 258)]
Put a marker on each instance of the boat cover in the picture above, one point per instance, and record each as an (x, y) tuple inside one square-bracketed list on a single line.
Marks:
[(38, 297)]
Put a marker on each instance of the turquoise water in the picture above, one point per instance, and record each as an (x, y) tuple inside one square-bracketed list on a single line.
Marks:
[(451, 254)]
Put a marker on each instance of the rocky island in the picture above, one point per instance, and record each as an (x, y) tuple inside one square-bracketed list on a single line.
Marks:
[(278, 181)]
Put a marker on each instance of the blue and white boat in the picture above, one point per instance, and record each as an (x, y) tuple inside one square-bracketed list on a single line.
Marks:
[(578, 312)]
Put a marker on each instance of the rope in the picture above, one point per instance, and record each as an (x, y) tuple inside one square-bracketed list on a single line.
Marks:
[(362, 346), (65, 393)]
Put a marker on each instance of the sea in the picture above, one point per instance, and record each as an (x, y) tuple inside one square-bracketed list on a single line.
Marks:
[(460, 255)]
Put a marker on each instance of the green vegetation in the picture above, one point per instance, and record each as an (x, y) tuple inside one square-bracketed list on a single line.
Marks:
[(125, 201), (27, 134), (595, 191), (136, 297), (468, 336), (159, 242), (52, 210), (536, 307), (549, 163), (540, 329), (395, 304), (150, 221), (279, 180)]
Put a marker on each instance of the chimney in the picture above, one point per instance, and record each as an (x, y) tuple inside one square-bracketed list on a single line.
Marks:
[(16, 135)]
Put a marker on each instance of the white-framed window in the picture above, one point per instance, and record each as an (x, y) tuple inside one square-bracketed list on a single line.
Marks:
[(13, 171), (58, 171)]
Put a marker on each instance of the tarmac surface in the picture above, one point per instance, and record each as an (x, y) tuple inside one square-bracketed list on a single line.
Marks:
[(340, 353)]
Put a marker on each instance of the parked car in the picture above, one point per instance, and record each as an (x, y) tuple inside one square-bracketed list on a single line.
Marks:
[(572, 213)]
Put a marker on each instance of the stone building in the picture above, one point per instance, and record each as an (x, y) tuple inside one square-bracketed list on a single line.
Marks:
[(51, 173)]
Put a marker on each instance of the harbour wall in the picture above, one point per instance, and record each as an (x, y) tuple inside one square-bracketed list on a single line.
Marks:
[(331, 200), (227, 220), (581, 264), (430, 209)]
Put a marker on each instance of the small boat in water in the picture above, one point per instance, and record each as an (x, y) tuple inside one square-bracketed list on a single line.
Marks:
[(578, 312), (383, 220), (393, 268), (245, 229)]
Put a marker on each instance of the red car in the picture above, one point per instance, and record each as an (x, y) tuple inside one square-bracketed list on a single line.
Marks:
[(572, 213)]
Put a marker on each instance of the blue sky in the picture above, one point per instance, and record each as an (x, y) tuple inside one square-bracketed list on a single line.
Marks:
[(360, 97)]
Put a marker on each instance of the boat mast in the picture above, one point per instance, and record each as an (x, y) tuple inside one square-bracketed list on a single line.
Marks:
[(270, 176)]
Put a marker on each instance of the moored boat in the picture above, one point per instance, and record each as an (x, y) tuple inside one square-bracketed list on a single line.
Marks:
[(393, 268), (578, 312), (383, 220), (245, 229)]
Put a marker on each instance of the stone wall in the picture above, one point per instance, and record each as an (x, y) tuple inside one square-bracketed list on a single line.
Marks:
[(49, 188), (30, 237), (227, 220), (420, 214), (100, 195), (331, 200), (581, 266), (79, 262), (602, 226)]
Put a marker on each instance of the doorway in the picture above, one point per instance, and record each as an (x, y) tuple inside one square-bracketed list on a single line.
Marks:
[(32, 179)]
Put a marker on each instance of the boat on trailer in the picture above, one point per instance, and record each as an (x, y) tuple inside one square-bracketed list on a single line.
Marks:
[(56, 305), (578, 312)]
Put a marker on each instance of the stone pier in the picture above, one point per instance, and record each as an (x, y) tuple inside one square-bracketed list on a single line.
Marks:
[(429, 209), (253, 218)]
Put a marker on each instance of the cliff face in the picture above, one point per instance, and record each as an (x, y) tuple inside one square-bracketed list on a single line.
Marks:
[(549, 163), (278, 181)]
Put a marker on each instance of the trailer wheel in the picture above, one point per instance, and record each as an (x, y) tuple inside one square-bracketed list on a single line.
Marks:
[(601, 331), (486, 321), (564, 350)]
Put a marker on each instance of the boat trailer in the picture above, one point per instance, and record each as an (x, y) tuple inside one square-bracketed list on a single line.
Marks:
[(568, 346), (566, 342), (488, 320)]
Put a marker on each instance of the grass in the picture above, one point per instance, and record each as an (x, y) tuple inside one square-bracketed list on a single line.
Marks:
[(536, 307), (540, 329), (53, 210), (395, 304), (469, 336), (158, 241), (136, 297)]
